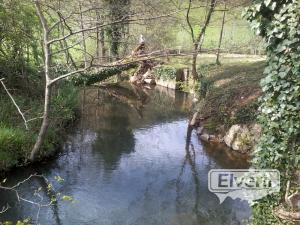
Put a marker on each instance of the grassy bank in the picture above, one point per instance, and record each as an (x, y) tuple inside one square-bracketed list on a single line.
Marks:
[(15, 141), (231, 94), (228, 93)]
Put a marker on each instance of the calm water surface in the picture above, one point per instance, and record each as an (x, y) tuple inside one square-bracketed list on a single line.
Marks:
[(130, 160)]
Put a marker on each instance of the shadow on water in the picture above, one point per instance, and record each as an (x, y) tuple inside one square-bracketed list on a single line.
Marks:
[(132, 160)]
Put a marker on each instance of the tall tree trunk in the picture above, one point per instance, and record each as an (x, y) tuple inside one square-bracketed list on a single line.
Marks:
[(221, 36), (194, 67), (47, 98), (199, 40)]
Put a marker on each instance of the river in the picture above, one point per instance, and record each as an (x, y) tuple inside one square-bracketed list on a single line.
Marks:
[(130, 161)]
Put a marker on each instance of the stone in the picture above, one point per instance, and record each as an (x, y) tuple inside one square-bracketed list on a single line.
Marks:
[(149, 81), (239, 138), (199, 130), (231, 135), (204, 137)]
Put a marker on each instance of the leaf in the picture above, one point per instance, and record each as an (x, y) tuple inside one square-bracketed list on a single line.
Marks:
[(273, 6), (58, 178), (258, 7), (67, 198), (267, 2)]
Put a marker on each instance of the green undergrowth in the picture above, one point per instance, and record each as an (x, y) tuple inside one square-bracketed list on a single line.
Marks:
[(229, 94), (16, 142), (165, 72)]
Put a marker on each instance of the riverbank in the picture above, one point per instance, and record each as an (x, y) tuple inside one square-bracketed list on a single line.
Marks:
[(228, 108), (15, 141)]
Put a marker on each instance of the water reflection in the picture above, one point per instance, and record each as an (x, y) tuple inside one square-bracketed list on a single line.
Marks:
[(132, 160), (113, 140)]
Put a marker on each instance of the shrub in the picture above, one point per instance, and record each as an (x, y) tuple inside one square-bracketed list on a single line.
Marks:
[(165, 72), (15, 145)]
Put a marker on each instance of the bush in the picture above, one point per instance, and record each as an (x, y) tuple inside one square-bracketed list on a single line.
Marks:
[(165, 72)]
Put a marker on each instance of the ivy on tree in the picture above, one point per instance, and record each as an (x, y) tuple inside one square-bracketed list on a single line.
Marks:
[(278, 22)]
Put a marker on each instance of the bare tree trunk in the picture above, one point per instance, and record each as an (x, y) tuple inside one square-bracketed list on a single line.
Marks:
[(199, 39), (83, 37), (221, 36), (194, 67), (47, 98)]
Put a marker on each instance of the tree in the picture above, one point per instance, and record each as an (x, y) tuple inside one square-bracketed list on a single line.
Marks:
[(279, 148), (198, 39), (221, 36), (51, 41)]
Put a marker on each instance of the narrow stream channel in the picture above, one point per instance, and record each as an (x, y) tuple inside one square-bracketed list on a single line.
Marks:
[(130, 161)]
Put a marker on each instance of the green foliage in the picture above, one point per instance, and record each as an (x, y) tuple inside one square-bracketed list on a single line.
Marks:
[(90, 78), (165, 72), (19, 35), (247, 114), (279, 147), (14, 146), (16, 142)]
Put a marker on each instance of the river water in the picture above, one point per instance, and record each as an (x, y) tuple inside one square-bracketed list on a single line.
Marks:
[(131, 161)]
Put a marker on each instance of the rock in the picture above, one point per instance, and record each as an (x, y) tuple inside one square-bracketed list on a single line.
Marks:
[(199, 130), (243, 138), (239, 138), (231, 135), (149, 81), (194, 119), (212, 137), (204, 137)]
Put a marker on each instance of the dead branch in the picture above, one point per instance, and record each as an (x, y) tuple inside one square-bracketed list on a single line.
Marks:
[(14, 102), (4, 209), (122, 20)]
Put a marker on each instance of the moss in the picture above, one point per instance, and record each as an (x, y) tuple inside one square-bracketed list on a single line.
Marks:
[(93, 77)]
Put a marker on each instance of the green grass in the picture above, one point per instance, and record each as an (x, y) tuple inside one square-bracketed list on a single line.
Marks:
[(15, 142), (233, 94), (15, 146)]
